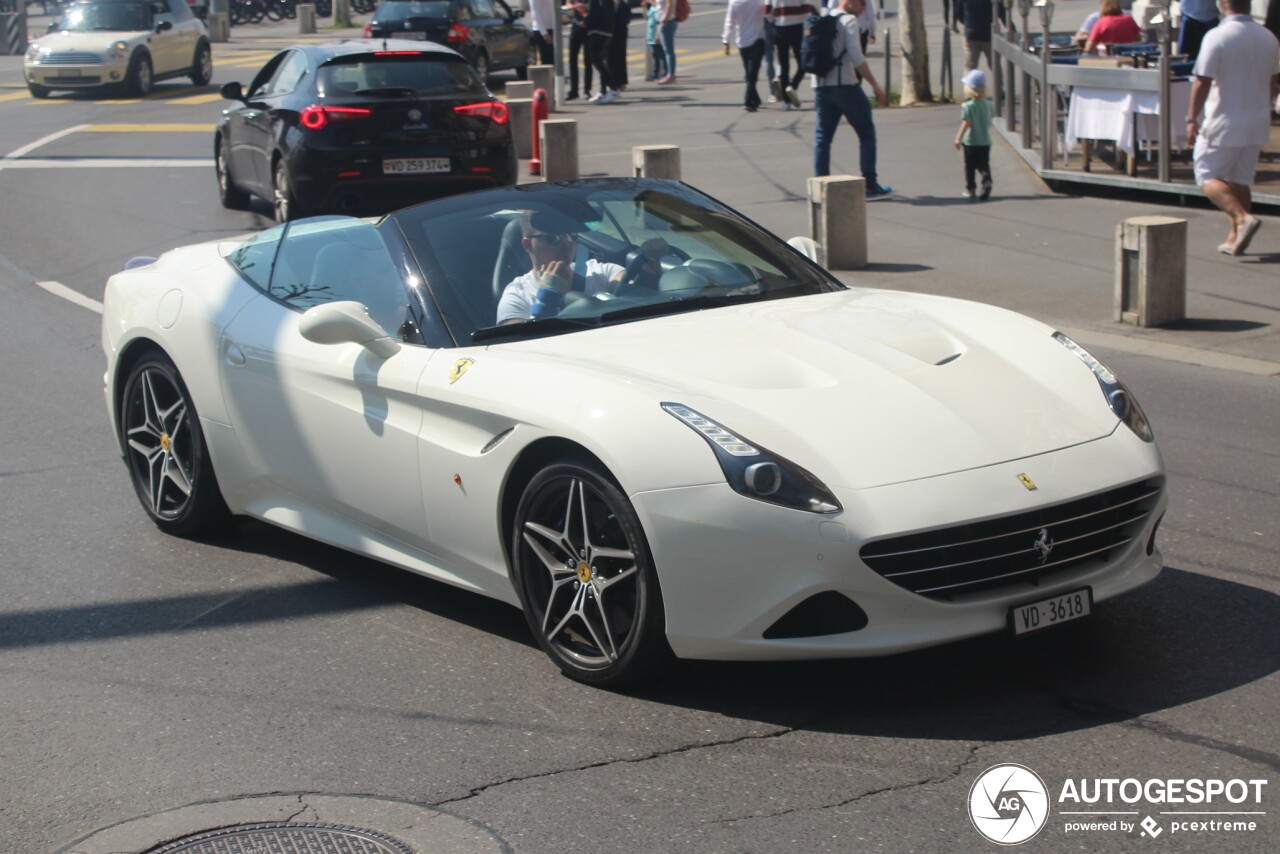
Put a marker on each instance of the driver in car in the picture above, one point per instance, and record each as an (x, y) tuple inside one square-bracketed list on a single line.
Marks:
[(551, 240)]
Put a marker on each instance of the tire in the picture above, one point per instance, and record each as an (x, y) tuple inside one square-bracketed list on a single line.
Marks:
[(231, 196), (140, 77), (285, 203), (582, 569), (482, 67), (202, 65), (166, 452), (37, 91)]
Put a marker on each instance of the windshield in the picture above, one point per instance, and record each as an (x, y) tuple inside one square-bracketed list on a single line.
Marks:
[(549, 259), (107, 17), (397, 11)]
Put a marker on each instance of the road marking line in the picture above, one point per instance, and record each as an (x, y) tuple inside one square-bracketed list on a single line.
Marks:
[(148, 128), (195, 99), (104, 163), (14, 96), (18, 152), (60, 290)]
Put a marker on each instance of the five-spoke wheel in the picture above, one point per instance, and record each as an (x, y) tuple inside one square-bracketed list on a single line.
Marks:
[(585, 577), (165, 451)]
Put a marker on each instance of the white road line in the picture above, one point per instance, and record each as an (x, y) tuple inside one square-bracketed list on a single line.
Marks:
[(19, 152), (60, 290), (104, 163)]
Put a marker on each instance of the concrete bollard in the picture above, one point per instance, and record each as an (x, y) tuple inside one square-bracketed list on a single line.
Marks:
[(838, 219), (1151, 270), (559, 144), (656, 161), (519, 89), (219, 28), (544, 77), (521, 118), (306, 18)]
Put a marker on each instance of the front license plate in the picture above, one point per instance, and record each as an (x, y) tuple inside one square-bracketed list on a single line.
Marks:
[(1051, 612), (68, 72), (415, 165)]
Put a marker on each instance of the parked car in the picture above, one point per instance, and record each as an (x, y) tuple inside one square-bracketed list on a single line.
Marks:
[(489, 33), (708, 446), (354, 126), (130, 43)]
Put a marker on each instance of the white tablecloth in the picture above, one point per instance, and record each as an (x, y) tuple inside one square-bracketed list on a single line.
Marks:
[(1119, 114)]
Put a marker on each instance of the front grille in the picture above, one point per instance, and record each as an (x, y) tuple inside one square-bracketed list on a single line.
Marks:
[(69, 58), (1018, 549)]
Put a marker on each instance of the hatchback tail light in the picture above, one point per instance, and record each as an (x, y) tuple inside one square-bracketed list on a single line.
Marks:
[(317, 117), (495, 110), (457, 34)]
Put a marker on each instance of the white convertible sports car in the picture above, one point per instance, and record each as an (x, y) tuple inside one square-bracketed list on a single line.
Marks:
[(642, 418)]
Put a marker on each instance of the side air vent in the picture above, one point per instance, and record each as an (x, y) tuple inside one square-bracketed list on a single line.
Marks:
[(828, 613)]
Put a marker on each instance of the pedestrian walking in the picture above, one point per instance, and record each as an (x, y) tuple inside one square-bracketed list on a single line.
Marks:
[(599, 26), (744, 27), (657, 57), (578, 47), (667, 24), (788, 34), (542, 23), (838, 94), (974, 135), (618, 45), (976, 17), (1235, 80)]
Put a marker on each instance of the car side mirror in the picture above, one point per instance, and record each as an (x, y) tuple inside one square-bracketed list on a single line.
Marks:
[(232, 92), (164, 26), (346, 322)]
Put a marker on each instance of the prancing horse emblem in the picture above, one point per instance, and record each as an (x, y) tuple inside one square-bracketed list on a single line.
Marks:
[(415, 115), (1043, 545), (459, 368)]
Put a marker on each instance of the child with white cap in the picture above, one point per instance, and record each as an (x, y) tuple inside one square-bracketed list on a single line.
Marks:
[(975, 134)]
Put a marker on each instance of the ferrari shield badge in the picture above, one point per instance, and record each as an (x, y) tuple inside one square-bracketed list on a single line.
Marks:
[(1027, 482), (459, 368)]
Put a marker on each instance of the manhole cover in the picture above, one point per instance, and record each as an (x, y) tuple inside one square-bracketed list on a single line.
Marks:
[(285, 838)]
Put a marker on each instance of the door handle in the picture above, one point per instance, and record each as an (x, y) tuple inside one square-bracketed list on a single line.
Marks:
[(235, 356)]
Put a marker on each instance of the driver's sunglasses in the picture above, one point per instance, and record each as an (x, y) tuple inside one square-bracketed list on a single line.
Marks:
[(552, 238)]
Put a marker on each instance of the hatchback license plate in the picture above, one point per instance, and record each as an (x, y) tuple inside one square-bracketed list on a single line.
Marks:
[(414, 165), (1051, 612)]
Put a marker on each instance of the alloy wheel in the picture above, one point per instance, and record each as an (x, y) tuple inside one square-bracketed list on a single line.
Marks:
[(158, 434)]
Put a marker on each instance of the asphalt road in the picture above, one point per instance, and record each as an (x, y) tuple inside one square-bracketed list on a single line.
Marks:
[(143, 676)]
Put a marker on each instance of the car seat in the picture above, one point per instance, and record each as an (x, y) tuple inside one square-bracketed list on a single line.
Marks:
[(512, 260)]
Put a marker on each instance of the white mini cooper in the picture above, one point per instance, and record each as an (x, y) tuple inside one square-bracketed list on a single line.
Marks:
[(119, 42)]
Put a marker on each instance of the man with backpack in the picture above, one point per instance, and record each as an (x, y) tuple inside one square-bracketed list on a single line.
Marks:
[(832, 54)]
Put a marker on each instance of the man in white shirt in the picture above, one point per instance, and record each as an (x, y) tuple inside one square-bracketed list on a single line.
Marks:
[(744, 25), (551, 240), (1235, 80), (542, 21)]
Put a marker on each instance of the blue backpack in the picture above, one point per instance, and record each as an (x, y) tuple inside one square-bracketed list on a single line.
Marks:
[(818, 47)]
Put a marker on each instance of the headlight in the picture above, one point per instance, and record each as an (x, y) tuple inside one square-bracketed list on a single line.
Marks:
[(33, 52), (118, 50), (1119, 398), (756, 472)]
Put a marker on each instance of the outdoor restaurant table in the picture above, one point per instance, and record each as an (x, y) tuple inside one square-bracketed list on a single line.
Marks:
[(1126, 116)]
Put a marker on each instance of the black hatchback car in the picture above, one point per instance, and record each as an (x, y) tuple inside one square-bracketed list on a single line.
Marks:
[(487, 32), (361, 128)]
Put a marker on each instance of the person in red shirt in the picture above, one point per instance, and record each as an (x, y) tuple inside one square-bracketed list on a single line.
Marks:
[(1114, 26)]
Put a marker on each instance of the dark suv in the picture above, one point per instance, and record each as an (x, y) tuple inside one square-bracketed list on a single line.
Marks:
[(487, 32)]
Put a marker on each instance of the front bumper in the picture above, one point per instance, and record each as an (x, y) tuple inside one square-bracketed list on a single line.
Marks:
[(75, 76), (731, 567)]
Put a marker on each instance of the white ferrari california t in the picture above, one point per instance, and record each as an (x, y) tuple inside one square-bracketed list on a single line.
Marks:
[(642, 418)]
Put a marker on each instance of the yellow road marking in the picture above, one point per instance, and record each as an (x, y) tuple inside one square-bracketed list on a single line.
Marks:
[(196, 99), (14, 96), (149, 128)]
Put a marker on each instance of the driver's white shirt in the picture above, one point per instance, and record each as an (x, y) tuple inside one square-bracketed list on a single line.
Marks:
[(518, 297)]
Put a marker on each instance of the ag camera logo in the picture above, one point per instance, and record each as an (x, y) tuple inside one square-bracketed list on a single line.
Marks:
[(1009, 804)]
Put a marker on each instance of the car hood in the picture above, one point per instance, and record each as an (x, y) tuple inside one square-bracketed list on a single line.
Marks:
[(95, 42), (864, 388)]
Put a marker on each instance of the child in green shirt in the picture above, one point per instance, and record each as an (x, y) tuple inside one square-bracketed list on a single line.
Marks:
[(975, 134)]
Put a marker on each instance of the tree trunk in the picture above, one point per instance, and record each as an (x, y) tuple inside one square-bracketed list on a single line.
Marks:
[(915, 54)]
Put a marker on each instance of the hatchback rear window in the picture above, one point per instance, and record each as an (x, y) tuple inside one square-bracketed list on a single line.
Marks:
[(421, 74)]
